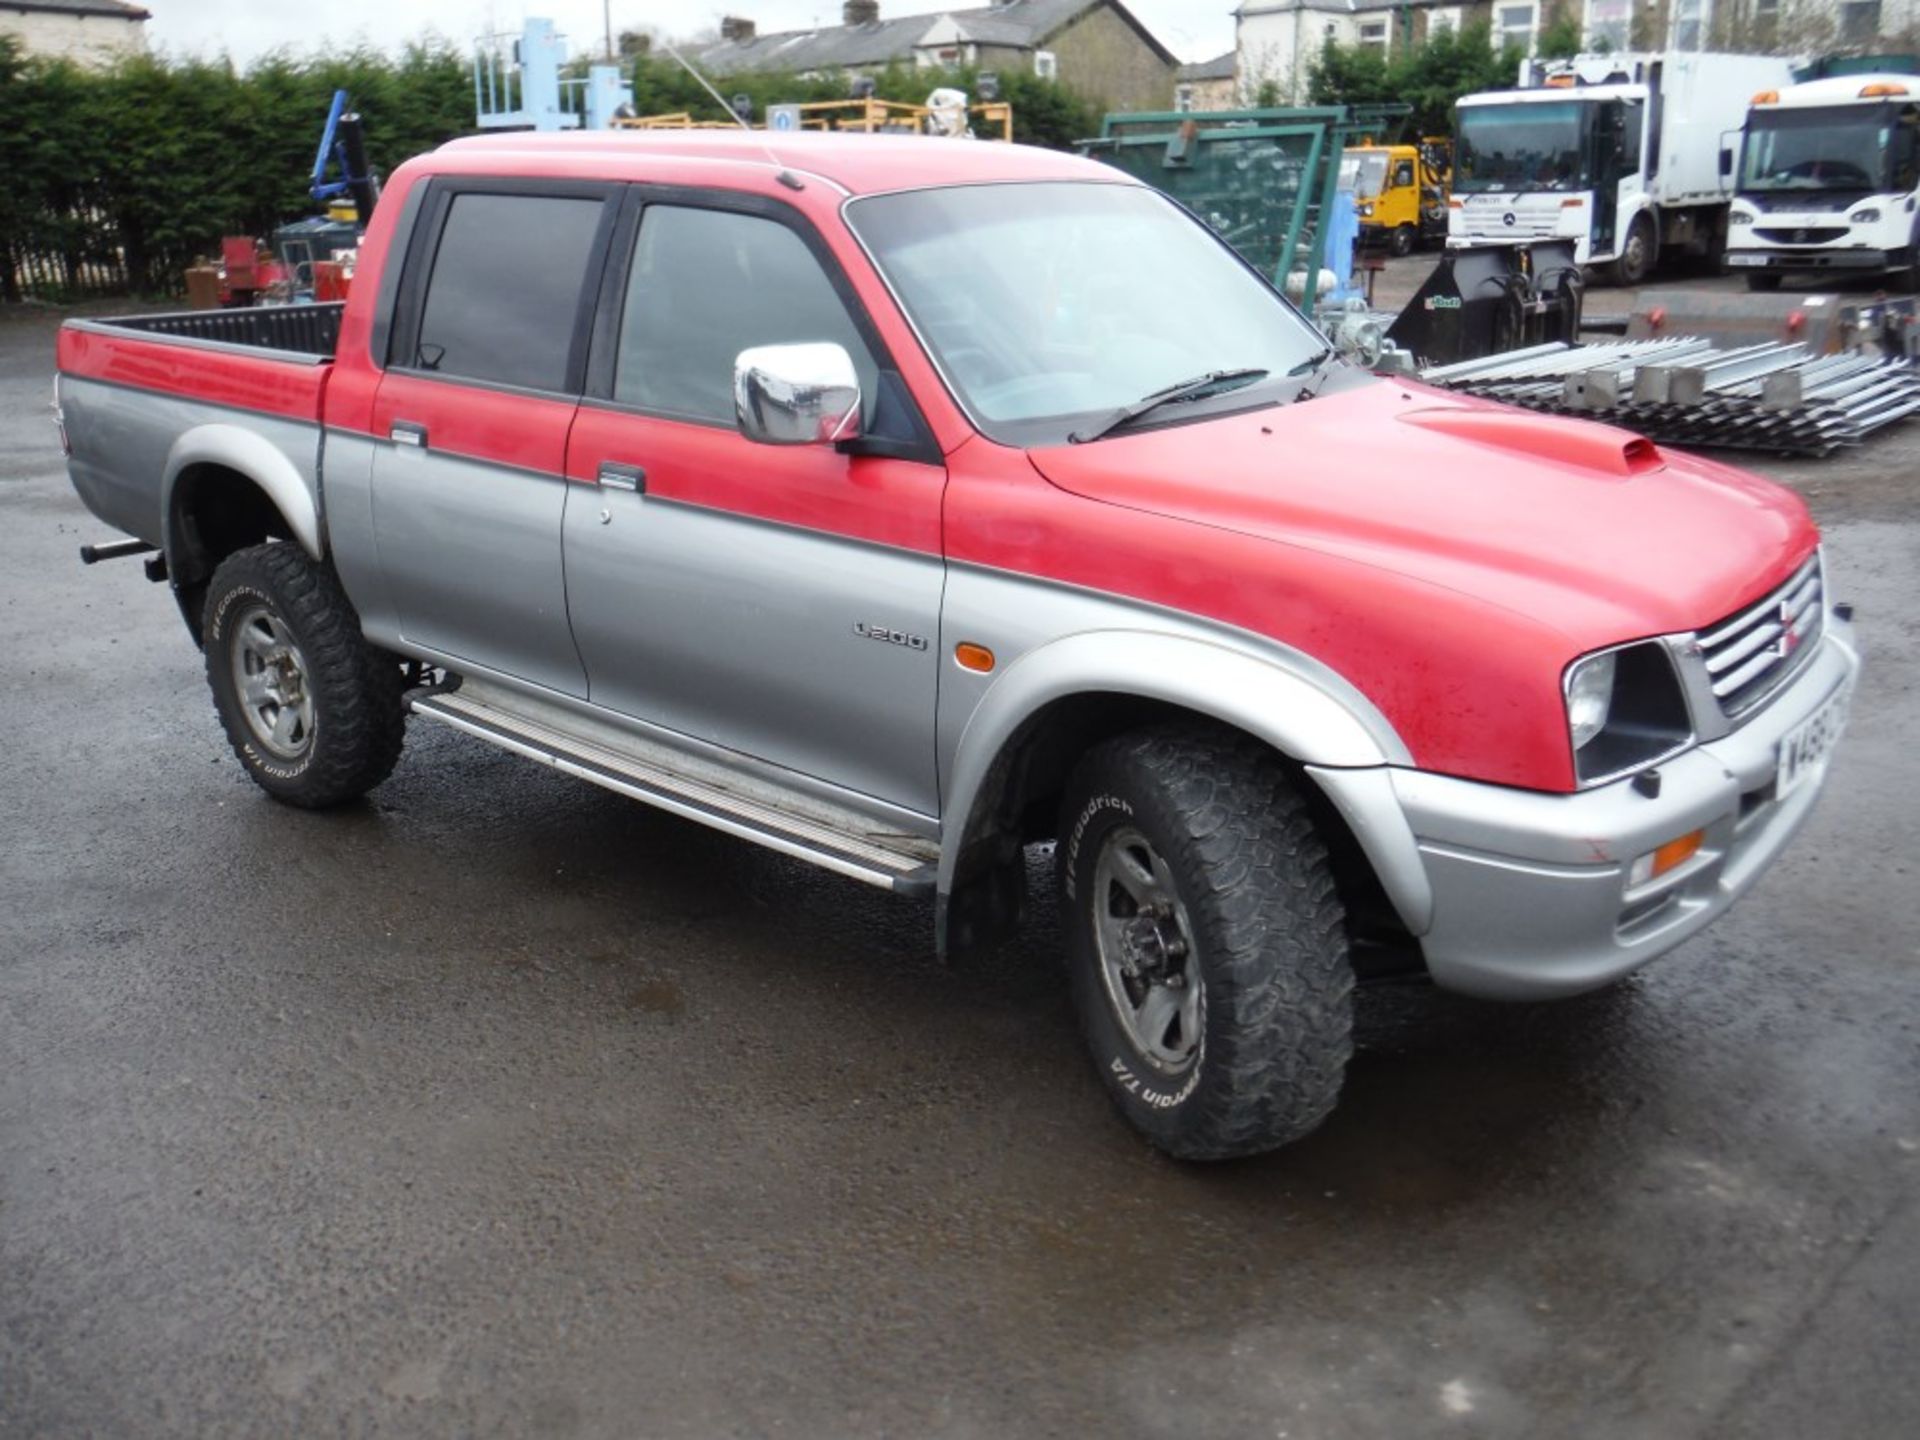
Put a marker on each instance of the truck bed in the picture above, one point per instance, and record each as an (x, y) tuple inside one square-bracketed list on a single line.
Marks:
[(292, 329), (143, 395)]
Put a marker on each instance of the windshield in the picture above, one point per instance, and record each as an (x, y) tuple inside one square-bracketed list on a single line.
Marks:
[(1523, 146), (1046, 305), (1364, 172), (1840, 147)]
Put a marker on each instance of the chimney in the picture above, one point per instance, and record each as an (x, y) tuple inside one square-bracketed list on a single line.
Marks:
[(860, 12), (736, 29)]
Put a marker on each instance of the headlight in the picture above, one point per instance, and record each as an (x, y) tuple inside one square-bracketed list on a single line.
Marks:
[(1589, 697), (1624, 710), (1864, 217), (1739, 217), (1366, 209)]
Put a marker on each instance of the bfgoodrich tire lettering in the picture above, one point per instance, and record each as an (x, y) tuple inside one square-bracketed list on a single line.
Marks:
[(1239, 901), (311, 709)]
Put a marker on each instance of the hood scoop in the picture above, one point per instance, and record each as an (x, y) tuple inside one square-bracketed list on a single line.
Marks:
[(1594, 448)]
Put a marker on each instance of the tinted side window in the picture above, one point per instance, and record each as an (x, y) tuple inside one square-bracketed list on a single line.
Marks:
[(707, 284), (505, 288)]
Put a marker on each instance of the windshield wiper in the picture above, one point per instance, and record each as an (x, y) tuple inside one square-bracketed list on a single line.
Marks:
[(1197, 388)]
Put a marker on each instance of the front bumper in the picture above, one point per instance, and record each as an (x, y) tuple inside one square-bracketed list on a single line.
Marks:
[(1529, 892), (1809, 259)]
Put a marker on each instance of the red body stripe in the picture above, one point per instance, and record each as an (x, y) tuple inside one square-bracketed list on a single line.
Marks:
[(245, 382)]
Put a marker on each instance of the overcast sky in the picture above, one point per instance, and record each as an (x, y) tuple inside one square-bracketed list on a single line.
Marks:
[(1192, 29)]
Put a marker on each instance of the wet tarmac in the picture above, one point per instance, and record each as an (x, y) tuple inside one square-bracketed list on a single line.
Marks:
[(499, 1105)]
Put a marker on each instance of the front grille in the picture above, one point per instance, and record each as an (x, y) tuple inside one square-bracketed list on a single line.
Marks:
[(1800, 234), (1751, 654), (1807, 202)]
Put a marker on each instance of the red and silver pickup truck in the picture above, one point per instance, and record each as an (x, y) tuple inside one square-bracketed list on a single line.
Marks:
[(901, 504)]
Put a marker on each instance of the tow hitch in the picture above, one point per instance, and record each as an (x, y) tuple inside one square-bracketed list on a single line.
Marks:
[(120, 549)]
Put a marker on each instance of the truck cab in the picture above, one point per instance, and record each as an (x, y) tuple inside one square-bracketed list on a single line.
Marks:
[(1551, 164), (1828, 181), (1399, 192)]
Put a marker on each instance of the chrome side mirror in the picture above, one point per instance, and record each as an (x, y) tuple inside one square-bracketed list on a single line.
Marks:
[(796, 394)]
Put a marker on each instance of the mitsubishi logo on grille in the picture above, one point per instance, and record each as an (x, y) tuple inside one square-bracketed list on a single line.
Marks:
[(1789, 632)]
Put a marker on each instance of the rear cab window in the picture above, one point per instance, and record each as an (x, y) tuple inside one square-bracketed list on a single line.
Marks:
[(503, 301)]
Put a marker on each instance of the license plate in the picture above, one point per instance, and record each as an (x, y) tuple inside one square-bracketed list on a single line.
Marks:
[(1746, 259), (1803, 748)]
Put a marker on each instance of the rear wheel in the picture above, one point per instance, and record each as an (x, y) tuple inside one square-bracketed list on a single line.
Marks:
[(1763, 281), (312, 710), (1207, 945)]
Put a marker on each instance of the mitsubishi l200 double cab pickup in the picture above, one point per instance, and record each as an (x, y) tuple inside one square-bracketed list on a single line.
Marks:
[(901, 503)]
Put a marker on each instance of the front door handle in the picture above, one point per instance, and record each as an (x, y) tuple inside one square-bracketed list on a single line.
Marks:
[(623, 477), (407, 432)]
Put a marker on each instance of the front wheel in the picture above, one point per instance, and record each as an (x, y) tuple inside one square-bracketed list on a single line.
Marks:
[(1207, 944), (312, 710), (1637, 255), (1402, 241)]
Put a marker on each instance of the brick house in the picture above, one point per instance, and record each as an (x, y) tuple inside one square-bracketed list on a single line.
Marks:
[(87, 32), (1209, 84), (1094, 47)]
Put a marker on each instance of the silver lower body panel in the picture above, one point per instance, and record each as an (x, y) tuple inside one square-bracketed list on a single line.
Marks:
[(1531, 895)]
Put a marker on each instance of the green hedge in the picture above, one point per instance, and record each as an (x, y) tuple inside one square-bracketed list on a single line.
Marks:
[(117, 179), (120, 178)]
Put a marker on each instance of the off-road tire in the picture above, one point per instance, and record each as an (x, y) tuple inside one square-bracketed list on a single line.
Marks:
[(358, 721), (1268, 933), (1763, 282), (1636, 260)]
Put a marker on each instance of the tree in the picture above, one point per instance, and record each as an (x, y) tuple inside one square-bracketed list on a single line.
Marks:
[(1429, 76), (1561, 36)]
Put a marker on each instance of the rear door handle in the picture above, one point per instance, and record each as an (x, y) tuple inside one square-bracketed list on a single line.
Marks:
[(623, 477), (406, 432)]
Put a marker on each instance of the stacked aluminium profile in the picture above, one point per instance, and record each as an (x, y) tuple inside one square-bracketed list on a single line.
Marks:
[(1681, 390)]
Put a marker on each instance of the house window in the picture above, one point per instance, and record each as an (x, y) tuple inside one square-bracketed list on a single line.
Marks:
[(1859, 21), (1443, 18), (1183, 98), (1046, 65), (1689, 24), (1610, 21), (1374, 34), (1515, 23)]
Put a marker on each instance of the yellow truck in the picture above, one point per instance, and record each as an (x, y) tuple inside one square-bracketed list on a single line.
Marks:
[(1399, 192)]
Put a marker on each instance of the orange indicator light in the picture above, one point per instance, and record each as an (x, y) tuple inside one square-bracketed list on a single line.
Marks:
[(970, 656), (1676, 853), (1669, 857)]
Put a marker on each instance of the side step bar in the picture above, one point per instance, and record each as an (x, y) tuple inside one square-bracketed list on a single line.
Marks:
[(902, 863)]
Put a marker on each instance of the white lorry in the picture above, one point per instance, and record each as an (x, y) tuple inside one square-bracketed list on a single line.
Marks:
[(1829, 181), (1618, 153)]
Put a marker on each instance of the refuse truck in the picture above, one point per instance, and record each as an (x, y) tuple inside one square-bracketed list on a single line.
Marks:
[(1829, 181)]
